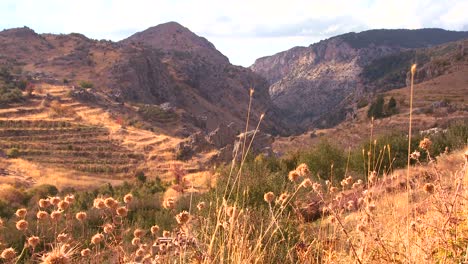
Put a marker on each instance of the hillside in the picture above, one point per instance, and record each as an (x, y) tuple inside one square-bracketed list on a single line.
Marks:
[(166, 64), (325, 81), (438, 101)]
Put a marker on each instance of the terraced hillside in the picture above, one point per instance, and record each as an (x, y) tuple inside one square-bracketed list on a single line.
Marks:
[(53, 133)]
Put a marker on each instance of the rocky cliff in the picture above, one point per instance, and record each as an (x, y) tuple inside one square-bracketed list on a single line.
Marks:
[(319, 84)]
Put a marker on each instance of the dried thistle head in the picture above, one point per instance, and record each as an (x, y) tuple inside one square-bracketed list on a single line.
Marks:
[(85, 252), (333, 189), (413, 69), (8, 253), (425, 144), (108, 228), (306, 183), (282, 199), (111, 203), (42, 215), (99, 203), (415, 155), (303, 170), (22, 225), (128, 198), (97, 238), (81, 216), (59, 255), (62, 237), (33, 241), (63, 205), (55, 200), (166, 234), (154, 229), (269, 197), (136, 241), (56, 215), (70, 198), (139, 233), (183, 217), (21, 213), (44, 203), (121, 211), (293, 175)]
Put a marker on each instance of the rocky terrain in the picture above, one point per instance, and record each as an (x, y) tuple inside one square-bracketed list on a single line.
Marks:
[(317, 86), (164, 65)]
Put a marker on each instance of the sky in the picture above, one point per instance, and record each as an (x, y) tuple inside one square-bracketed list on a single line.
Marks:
[(243, 30)]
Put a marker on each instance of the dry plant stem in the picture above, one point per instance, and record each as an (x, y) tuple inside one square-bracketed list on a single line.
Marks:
[(413, 70), (348, 237)]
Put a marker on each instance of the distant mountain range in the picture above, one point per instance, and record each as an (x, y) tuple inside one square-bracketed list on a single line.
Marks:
[(300, 88)]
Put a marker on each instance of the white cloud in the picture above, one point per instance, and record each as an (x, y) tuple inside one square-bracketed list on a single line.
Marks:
[(243, 30)]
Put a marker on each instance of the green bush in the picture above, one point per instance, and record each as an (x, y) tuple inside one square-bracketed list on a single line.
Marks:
[(12, 153), (86, 84)]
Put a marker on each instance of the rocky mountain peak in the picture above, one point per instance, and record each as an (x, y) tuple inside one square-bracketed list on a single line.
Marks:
[(174, 37), (18, 32)]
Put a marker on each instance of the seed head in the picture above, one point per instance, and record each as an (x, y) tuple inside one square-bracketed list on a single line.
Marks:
[(269, 197), (128, 198), (138, 233), (63, 237), (183, 217), (54, 200), (307, 183), (22, 225), (70, 198), (283, 198), (85, 252), (33, 241), (81, 216), (293, 175), (303, 170), (55, 215), (42, 215), (122, 211), (413, 69), (8, 253), (154, 229), (63, 205), (99, 203), (108, 228), (97, 238), (61, 255), (425, 144), (136, 241), (21, 213), (111, 202), (44, 203)]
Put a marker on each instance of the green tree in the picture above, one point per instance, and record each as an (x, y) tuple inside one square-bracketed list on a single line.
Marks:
[(376, 109)]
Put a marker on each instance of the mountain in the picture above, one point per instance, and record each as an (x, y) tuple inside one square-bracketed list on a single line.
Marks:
[(163, 65), (317, 86)]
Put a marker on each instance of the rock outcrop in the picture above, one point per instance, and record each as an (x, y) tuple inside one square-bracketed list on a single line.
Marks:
[(317, 85)]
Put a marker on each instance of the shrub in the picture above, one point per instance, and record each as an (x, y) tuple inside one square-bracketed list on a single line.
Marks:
[(12, 153), (86, 84), (376, 109)]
